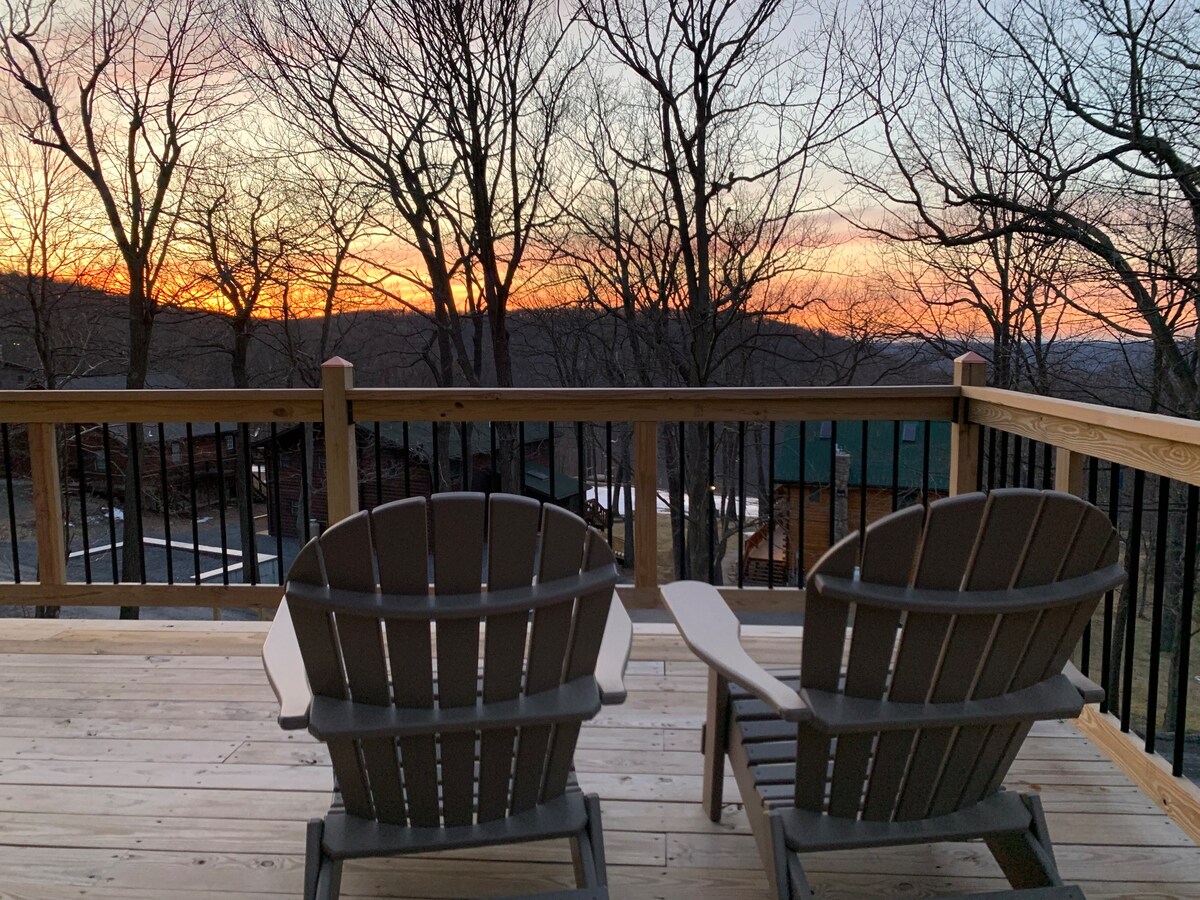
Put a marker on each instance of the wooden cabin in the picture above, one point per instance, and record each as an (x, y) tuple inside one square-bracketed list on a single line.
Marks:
[(813, 509)]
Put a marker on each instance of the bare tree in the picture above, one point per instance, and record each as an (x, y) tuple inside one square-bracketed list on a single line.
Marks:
[(122, 89), (704, 144), (1069, 124)]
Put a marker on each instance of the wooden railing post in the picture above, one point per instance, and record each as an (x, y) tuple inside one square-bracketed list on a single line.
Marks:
[(1068, 471), (645, 509), (47, 504), (970, 370), (341, 454)]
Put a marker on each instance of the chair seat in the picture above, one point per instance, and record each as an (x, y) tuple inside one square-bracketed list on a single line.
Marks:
[(350, 837)]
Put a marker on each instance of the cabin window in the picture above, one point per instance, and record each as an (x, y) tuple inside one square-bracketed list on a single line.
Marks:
[(229, 444), (908, 433), (826, 431), (176, 454)]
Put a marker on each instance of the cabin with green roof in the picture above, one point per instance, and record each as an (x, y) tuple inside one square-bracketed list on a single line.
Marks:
[(905, 462)]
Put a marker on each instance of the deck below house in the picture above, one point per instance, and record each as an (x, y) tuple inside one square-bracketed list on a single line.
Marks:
[(142, 760)]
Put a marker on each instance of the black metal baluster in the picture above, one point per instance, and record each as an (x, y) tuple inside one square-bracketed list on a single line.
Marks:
[(221, 504), (1183, 629), (581, 467), (979, 462), (305, 498), (832, 481), (741, 476), (862, 488), (135, 464), (1133, 567), (493, 475), (277, 501), (106, 444), (1107, 675), (166, 501), (608, 476), (925, 463), (1085, 653), (684, 563), (1031, 463), (1016, 461), (1047, 467), (250, 541), (1156, 609), (521, 457), (12, 506), (771, 504), (83, 516), (378, 443), (711, 504), (468, 464), (801, 571), (895, 466), (191, 458), (1003, 469), (991, 459), (407, 466), (434, 465), (553, 457)]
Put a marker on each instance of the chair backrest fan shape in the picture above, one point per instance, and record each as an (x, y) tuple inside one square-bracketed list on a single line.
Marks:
[(971, 627), (461, 704)]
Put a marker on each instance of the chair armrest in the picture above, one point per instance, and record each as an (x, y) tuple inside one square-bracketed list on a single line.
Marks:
[(285, 670), (711, 631), (1088, 689), (614, 653)]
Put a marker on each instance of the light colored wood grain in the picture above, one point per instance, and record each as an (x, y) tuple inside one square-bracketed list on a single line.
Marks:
[(341, 456), (193, 791), (1178, 797), (970, 369), (47, 504), (1068, 471), (645, 511), (1164, 448), (71, 407), (653, 404), (230, 596)]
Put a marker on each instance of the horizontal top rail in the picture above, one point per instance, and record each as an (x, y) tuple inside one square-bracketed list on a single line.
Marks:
[(654, 404), (1161, 445), (223, 405)]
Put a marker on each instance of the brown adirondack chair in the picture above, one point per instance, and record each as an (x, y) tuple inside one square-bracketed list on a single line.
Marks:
[(436, 743), (923, 666)]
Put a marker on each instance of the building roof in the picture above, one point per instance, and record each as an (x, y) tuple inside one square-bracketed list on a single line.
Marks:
[(880, 442), (537, 479)]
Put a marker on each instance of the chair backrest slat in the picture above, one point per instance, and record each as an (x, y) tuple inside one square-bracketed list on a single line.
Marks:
[(820, 667), (561, 555), (458, 532), (512, 549), (888, 550), (587, 631)]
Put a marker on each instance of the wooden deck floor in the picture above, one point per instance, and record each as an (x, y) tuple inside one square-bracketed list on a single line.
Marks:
[(142, 761)]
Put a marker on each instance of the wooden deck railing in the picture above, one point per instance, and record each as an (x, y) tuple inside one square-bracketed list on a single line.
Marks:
[(1074, 436)]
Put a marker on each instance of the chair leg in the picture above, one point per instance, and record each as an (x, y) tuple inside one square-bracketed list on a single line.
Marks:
[(1027, 857), (716, 742), (312, 857), (595, 830), (778, 869), (322, 875)]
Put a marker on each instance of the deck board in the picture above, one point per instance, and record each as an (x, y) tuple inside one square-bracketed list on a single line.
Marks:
[(142, 760)]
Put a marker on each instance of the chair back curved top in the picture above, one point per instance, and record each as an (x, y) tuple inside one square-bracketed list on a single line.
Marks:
[(947, 612), (459, 702)]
